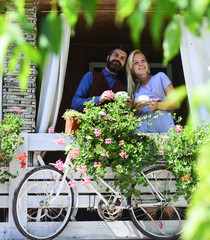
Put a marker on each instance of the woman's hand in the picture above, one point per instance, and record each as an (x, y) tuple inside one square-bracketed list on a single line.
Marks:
[(153, 106), (139, 106)]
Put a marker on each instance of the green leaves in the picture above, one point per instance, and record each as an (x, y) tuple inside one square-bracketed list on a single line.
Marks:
[(11, 24), (172, 38), (70, 9), (163, 12), (124, 9), (90, 8), (9, 140), (136, 20), (48, 40)]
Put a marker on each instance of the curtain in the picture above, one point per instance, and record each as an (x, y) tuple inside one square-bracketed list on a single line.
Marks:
[(52, 83), (195, 55)]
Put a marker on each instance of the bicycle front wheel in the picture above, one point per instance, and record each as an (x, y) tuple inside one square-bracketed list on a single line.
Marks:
[(154, 212), (37, 211)]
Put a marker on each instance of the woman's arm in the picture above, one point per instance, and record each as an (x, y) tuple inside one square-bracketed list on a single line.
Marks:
[(165, 104)]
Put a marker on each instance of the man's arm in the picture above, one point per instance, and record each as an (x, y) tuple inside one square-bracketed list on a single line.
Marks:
[(82, 94)]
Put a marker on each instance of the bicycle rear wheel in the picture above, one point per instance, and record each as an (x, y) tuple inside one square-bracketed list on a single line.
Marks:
[(34, 215), (154, 218)]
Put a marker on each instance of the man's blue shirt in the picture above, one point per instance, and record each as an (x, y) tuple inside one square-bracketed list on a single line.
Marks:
[(82, 94)]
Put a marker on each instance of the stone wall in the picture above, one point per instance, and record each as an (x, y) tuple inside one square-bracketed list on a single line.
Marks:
[(12, 95)]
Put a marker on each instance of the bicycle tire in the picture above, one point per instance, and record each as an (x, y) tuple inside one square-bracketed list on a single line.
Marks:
[(155, 219), (33, 215)]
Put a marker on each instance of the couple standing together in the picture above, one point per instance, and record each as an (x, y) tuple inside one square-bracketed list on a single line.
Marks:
[(139, 82)]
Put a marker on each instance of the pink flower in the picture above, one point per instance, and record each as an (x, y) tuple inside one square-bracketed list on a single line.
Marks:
[(97, 164), (109, 94), (121, 142), (1, 154), (108, 141), (75, 152), (59, 141), (172, 127), (123, 154), (179, 128), (59, 165), (85, 109), (104, 153), (161, 149), (86, 182), (97, 132), (81, 169), (51, 130), (72, 184)]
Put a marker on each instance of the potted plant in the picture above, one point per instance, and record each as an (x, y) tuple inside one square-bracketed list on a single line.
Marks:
[(73, 119), (10, 128)]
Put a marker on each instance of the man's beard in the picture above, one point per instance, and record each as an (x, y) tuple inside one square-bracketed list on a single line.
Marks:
[(114, 66)]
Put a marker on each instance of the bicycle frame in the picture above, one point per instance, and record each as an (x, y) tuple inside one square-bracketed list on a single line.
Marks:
[(69, 166)]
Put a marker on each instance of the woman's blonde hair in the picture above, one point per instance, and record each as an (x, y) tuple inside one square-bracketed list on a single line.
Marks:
[(133, 82)]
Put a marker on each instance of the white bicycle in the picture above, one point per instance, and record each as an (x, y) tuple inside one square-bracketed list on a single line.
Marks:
[(43, 203)]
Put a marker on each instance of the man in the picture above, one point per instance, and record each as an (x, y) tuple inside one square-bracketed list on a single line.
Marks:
[(102, 85)]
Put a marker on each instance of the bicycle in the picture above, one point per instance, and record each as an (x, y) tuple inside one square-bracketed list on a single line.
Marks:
[(43, 203)]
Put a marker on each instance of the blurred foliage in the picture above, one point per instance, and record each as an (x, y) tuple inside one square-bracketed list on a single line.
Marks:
[(198, 214), (163, 22)]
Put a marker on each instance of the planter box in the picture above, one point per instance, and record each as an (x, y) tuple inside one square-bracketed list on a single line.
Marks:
[(72, 124)]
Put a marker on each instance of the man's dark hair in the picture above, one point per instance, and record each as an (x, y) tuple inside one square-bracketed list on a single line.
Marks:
[(121, 47)]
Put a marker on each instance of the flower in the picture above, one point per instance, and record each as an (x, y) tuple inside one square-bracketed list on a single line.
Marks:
[(81, 169), (187, 178), (59, 165), (22, 157), (97, 132), (161, 149), (97, 164), (86, 182), (74, 153), (121, 142), (123, 154), (109, 94), (171, 127), (179, 128), (59, 141), (104, 153), (50, 130), (72, 184), (85, 109), (108, 140)]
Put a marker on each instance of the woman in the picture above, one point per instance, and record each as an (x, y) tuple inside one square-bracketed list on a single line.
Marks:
[(157, 87)]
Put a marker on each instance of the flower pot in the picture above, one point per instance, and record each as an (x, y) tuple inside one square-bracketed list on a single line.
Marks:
[(72, 124)]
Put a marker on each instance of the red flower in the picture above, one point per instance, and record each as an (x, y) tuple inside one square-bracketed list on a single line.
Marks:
[(22, 157), (187, 178)]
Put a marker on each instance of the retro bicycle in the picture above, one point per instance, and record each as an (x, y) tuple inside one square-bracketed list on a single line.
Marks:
[(43, 203)]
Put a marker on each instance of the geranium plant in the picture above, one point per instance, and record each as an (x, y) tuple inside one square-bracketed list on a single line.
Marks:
[(181, 148), (107, 138), (10, 128)]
